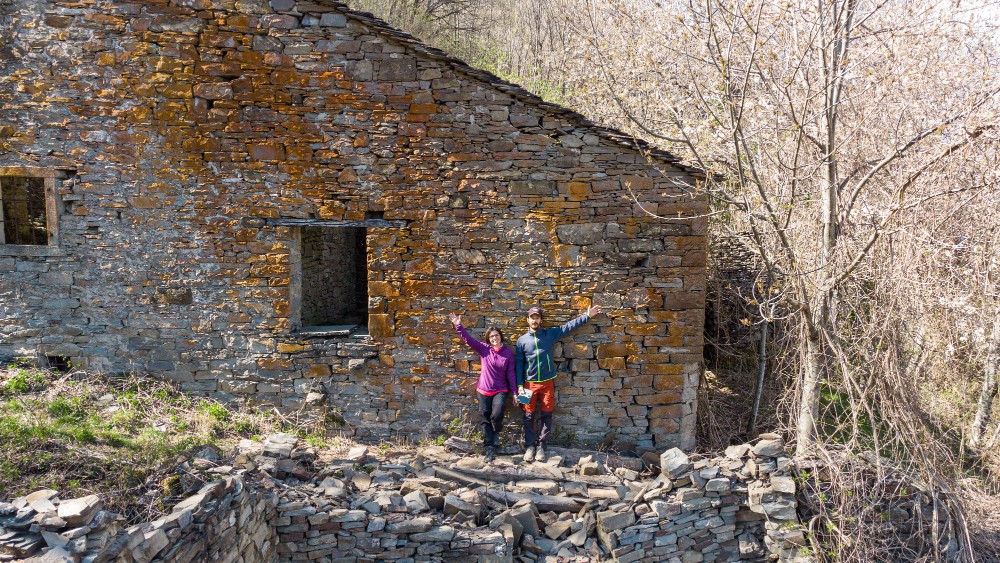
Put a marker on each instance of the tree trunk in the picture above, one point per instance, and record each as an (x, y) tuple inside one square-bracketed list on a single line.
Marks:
[(761, 372), (834, 47), (814, 367), (985, 407)]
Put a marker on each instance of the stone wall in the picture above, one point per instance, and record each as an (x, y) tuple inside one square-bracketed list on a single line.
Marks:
[(195, 140), (225, 521), (439, 506), (737, 284)]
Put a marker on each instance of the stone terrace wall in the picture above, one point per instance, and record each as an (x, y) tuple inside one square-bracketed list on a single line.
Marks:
[(225, 521), (194, 134), (740, 507), (722, 509)]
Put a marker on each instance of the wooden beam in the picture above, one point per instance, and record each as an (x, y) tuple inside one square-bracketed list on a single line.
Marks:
[(504, 475), (460, 477), (544, 503)]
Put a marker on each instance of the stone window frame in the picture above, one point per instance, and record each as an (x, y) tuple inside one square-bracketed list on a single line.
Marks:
[(52, 177), (295, 269)]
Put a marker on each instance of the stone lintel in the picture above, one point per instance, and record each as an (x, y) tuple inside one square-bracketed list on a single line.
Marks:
[(322, 223)]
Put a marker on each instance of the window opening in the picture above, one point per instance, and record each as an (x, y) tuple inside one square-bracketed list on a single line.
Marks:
[(58, 363), (334, 276), (24, 210)]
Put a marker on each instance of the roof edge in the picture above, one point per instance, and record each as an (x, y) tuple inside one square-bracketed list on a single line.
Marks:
[(613, 135)]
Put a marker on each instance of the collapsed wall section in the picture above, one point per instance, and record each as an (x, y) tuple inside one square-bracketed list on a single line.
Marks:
[(741, 507), (226, 520)]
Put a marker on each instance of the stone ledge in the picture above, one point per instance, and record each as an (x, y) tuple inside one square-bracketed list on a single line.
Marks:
[(30, 250), (327, 331)]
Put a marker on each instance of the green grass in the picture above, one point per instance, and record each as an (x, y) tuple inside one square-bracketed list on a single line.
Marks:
[(21, 380), (62, 432)]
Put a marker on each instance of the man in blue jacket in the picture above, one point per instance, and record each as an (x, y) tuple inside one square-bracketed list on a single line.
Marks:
[(536, 372)]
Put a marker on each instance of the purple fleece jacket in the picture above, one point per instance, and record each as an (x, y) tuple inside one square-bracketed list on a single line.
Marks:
[(498, 367)]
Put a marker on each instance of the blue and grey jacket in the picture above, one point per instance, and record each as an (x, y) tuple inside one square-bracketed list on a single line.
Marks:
[(533, 353)]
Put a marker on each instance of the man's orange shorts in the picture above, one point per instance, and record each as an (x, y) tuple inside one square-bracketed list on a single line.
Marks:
[(543, 393)]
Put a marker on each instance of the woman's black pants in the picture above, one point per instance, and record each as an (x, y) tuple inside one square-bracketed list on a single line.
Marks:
[(491, 411)]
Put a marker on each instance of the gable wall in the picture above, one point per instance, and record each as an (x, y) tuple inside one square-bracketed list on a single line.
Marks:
[(192, 124)]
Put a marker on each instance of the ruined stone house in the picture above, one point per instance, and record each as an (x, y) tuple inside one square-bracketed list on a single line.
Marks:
[(283, 200)]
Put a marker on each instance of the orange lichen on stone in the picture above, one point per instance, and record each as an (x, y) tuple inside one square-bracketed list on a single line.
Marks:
[(380, 325), (205, 142)]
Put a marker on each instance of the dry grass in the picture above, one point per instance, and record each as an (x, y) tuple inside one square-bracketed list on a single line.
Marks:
[(725, 401), (119, 437), (983, 512)]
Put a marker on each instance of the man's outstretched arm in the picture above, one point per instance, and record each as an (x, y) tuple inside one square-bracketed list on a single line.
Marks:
[(579, 321)]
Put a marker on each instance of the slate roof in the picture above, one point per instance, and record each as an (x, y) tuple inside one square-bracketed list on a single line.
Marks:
[(613, 135)]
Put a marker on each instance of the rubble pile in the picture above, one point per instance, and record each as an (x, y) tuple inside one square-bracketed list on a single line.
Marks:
[(223, 521), (41, 520), (439, 503)]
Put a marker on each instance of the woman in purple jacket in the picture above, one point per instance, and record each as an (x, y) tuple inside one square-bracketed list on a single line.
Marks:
[(496, 381)]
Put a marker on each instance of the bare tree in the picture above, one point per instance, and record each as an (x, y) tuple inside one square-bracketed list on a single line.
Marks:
[(524, 41), (439, 22), (823, 120), (853, 145), (954, 252), (984, 407)]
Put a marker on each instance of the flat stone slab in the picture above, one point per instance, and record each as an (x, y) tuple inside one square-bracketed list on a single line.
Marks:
[(457, 443), (42, 506), (279, 445), (573, 488), (720, 485), (506, 518), (556, 530), (326, 331), (737, 452), (769, 448), (542, 485), (362, 481), (357, 453), (604, 493), (455, 505), (674, 463), (470, 463), (578, 538), (610, 520), (412, 526), (43, 494), (784, 485), (80, 511), (417, 501), (151, 544), (437, 533)]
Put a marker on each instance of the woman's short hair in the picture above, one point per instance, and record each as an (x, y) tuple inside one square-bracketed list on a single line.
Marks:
[(486, 335)]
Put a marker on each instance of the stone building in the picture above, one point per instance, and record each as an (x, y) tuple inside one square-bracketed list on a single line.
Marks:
[(283, 200)]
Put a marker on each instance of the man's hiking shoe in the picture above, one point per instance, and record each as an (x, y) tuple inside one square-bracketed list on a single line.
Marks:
[(529, 454), (540, 454), (490, 454)]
